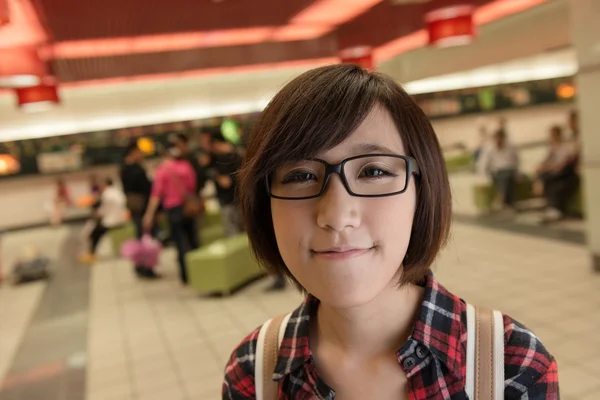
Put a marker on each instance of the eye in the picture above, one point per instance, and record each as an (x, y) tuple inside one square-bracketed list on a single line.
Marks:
[(298, 177), (375, 172)]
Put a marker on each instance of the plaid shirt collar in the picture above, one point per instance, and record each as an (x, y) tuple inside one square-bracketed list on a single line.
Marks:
[(441, 336)]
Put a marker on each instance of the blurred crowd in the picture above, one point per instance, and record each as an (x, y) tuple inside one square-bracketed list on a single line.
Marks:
[(556, 179), (167, 201)]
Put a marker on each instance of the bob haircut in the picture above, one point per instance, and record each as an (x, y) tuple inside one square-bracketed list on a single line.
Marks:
[(317, 111)]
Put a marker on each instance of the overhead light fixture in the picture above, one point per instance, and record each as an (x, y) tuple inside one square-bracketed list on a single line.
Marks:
[(4, 13), (104, 47), (37, 98), (451, 26), (359, 55), (332, 12), (299, 32), (20, 67)]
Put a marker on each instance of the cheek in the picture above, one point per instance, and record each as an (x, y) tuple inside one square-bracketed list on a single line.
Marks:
[(291, 224), (390, 220)]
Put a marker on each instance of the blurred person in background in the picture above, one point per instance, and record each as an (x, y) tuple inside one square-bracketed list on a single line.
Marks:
[(137, 188), (226, 162), (181, 141), (501, 161), (502, 122), (481, 146), (62, 199), (95, 186), (111, 213), (556, 176), (174, 183), (575, 144)]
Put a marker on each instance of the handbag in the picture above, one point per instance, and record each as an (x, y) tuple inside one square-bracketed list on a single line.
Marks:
[(193, 205), (136, 203), (485, 355)]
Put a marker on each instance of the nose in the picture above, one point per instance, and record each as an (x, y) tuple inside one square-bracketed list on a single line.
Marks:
[(337, 209)]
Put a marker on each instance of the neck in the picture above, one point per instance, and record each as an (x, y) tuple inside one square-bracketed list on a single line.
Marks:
[(379, 327)]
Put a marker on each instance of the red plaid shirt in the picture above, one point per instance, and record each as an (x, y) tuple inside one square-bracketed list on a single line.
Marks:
[(433, 358)]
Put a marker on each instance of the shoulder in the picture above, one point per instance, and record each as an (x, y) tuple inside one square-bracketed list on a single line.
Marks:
[(530, 370), (239, 371)]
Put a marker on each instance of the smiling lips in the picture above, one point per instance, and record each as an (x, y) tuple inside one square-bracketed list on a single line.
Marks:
[(340, 253)]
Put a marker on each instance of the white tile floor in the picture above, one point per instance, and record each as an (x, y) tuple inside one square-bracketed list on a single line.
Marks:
[(18, 303), (158, 340)]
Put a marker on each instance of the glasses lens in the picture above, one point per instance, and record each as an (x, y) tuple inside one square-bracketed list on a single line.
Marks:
[(298, 180), (376, 175)]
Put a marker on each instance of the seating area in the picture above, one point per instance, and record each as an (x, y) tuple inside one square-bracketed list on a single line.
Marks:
[(458, 163), (484, 195), (222, 266)]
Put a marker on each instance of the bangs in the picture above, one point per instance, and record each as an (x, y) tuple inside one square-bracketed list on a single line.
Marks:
[(315, 113)]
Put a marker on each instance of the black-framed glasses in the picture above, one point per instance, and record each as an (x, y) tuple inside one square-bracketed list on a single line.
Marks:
[(368, 175)]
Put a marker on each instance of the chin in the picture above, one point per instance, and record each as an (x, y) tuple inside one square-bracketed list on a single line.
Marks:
[(347, 296)]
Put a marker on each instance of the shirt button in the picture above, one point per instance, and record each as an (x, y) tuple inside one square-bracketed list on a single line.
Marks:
[(421, 351), (408, 363)]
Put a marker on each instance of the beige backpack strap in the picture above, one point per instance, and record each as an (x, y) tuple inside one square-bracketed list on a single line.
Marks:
[(271, 351), (485, 354), (269, 340)]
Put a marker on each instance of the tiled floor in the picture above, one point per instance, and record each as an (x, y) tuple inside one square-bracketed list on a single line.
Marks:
[(158, 340)]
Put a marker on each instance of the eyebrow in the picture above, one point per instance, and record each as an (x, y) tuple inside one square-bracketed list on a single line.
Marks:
[(370, 147)]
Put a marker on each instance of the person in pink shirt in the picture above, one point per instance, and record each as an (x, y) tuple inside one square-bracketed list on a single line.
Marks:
[(174, 180)]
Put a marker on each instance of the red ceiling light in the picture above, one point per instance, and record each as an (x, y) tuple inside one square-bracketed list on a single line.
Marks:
[(20, 67), (37, 98), (451, 26), (4, 15), (360, 55)]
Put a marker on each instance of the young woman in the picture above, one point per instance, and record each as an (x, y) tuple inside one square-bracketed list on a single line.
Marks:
[(345, 190), (174, 181)]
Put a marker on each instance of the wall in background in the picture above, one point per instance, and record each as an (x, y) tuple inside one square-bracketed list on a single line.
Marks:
[(26, 201)]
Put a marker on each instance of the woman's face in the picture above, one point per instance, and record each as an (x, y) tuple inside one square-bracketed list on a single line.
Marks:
[(343, 249)]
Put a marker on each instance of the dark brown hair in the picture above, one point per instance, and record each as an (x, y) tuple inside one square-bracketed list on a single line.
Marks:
[(317, 111)]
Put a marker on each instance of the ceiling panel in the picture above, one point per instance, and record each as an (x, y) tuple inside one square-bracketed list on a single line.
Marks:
[(128, 38), (81, 69), (88, 19)]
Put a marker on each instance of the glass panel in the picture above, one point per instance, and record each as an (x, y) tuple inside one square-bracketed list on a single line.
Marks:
[(368, 175), (302, 179), (376, 175)]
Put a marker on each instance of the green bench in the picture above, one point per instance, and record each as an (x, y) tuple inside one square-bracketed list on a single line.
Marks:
[(459, 163), (222, 266), (209, 234), (120, 235), (576, 206), (211, 219), (486, 194)]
